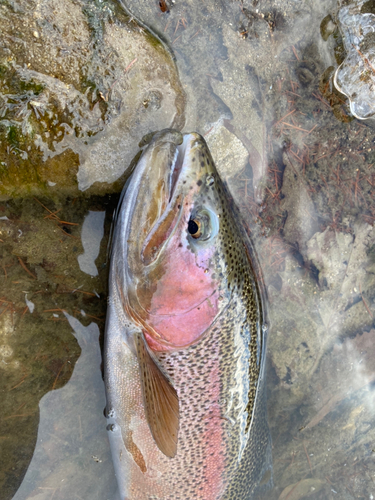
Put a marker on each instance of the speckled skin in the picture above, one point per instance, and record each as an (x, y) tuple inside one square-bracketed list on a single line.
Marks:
[(224, 447)]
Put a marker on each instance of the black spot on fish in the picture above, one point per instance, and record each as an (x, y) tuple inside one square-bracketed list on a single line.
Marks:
[(199, 183), (202, 163)]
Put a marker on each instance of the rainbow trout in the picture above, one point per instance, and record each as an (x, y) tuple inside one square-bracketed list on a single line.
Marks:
[(185, 335)]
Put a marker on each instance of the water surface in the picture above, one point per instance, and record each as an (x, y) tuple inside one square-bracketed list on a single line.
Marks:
[(255, 78)]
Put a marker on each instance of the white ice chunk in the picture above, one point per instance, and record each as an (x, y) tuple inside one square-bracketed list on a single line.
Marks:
[(355, 77)]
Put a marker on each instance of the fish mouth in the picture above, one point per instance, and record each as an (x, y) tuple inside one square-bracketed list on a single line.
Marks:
[(165, 225)]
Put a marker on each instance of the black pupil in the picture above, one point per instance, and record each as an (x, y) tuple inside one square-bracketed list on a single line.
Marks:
[(192, 227)]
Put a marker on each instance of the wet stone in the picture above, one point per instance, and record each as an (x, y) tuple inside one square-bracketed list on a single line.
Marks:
[(80, 83)]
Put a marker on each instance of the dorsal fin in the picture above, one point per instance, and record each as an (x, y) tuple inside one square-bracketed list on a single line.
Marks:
[(160, 400)]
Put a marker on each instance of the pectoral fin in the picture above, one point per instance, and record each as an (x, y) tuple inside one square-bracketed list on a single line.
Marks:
[(160, 400)]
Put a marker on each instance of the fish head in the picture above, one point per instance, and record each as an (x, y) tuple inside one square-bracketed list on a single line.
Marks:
[(172, 277)]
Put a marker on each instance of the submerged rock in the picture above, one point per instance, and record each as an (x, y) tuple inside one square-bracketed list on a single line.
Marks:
[(80, 83)]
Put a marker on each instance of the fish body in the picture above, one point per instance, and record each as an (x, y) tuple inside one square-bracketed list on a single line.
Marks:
[(185, 335)]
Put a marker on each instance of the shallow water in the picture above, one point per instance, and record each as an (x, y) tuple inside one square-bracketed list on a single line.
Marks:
[(255, 78)]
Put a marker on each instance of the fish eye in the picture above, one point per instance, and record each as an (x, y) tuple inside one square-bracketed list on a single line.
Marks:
[(203, 224), (194, 228)]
